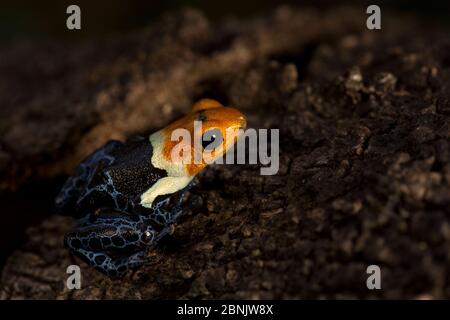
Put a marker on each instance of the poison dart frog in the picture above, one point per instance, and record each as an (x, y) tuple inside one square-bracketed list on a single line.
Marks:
[(128, 195)]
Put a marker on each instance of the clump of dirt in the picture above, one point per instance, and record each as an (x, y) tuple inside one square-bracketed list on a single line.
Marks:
[(364, 154)]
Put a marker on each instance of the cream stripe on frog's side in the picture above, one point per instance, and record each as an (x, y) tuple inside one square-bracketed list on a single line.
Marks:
[(177, 177)]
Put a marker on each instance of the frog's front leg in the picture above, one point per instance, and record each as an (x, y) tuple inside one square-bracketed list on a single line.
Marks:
[(114, 242), (165, 212)]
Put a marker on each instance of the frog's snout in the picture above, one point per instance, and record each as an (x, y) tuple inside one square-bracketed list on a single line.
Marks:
[(242, 122), (238, 120)]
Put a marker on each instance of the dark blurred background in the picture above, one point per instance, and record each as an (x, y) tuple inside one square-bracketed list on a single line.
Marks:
[(46, 18)]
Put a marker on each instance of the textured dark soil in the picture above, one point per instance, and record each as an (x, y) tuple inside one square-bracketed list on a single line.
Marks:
[(364, 119)]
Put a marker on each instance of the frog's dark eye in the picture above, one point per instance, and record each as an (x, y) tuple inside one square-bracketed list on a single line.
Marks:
[(211, 139), (147, 236)]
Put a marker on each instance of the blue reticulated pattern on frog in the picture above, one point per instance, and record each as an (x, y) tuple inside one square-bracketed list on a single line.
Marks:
[(114, 231)]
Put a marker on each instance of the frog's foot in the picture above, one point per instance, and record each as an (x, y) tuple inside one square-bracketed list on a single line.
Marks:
[(114, 242), (167, 211), (72, 188), (165, 217)]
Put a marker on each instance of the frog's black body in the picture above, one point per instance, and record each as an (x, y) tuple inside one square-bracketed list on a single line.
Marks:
[(114, 231)]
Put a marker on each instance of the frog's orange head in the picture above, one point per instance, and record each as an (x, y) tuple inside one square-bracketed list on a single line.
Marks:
[(207, 133)]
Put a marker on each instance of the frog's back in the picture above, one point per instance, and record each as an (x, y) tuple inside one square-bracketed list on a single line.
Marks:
[(113, 177), (132, 171)]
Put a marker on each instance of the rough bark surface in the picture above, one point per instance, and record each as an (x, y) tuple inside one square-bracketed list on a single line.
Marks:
[(364, 119)]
